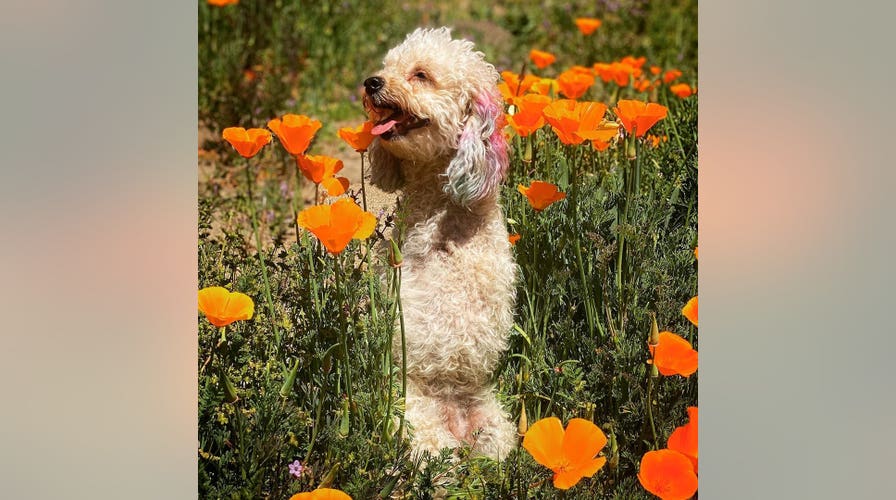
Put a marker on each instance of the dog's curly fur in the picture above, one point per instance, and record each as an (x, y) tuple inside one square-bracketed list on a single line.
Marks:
[(439, 117)]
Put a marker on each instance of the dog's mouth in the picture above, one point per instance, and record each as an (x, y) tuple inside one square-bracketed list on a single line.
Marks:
[(397, 122)]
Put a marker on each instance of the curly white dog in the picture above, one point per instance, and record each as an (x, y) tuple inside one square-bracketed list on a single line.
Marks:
[(438, 116)]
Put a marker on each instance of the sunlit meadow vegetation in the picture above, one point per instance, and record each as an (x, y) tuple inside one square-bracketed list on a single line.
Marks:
[(297, 386)]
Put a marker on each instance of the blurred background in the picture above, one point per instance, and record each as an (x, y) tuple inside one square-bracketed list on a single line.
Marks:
[(259, 59)]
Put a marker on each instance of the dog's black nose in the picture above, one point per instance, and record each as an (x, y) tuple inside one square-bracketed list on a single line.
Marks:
[(373, 84)]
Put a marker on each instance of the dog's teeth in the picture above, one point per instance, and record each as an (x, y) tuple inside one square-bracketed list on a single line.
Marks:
[(383, 127)]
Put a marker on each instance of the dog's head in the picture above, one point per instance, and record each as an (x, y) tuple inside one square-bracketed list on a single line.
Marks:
[(435, 102)]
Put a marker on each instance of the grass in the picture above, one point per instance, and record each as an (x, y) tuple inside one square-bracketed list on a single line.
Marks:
[(582, 314)]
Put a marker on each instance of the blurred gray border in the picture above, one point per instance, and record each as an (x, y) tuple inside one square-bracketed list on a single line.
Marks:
[(98, 193), (796, 398)]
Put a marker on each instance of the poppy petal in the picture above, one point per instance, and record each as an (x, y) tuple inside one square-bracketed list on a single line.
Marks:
[(314, 217), (222, 307), (569, 477), (335, 186), (674, 355), (667, 474), (684, 439), (690, 310), (544, 441), (366, 226), (582, 441)]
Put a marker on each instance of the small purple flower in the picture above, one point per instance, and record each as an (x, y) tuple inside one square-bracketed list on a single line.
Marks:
[(297, 469)]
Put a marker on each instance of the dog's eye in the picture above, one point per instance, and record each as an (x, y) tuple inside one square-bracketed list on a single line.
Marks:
[(420, 75)]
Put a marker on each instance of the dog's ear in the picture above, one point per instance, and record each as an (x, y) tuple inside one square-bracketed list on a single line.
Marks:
[(481, 161), (385, 170)]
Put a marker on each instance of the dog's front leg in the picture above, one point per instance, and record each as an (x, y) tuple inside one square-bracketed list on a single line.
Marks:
[(426, 416)]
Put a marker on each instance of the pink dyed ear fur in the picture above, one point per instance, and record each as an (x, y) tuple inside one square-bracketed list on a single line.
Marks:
[(481, 161)]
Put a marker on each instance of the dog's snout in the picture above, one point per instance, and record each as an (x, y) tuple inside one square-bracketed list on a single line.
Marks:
[(373, 84)]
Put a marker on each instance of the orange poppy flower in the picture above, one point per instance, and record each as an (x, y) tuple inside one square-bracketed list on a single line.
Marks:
[(690, 311), (513, 238), (246, 142), (545, 86), (695, 252), (513, 87), (573, 84), (619, 72), (638, 116), (541, 59), (655, 140), (603, 134), (321, 494), (222, 307), (322, 170), (573, 121), (359, 138), (671, 76), (587, 25), (528, 117), (668, 474), (581, 69), (571, 454), (674, 355), (643, 85), (682, 90), (684, 438), (634, 62), (655, 70), (295, 132), (337, 224), (541, 194), (221, 3)]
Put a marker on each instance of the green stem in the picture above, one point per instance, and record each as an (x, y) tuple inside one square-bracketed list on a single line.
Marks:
[(404, 350), (363, 188), (650, 408), (343, 330), (320, 404), (637, 186), (388, 365), (259, 249), (672, 124), (586, 292), (371, 286), (292, 202)]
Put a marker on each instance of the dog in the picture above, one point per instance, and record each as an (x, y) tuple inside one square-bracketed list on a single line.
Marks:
[(438, 119)]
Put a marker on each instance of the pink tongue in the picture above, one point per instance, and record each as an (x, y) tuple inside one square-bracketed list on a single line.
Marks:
[(383, 128)]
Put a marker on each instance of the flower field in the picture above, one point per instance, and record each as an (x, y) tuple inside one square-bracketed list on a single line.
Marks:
[(300, 264)]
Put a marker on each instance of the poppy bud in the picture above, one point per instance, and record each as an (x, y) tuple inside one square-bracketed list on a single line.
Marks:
[(290, 380), (327, 481), (630, 151), (654, 338), (523, 425), (228, 388), (589, 411), (344, 422), (613, 461), (395, 258), (654, 371), (527, 155)]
